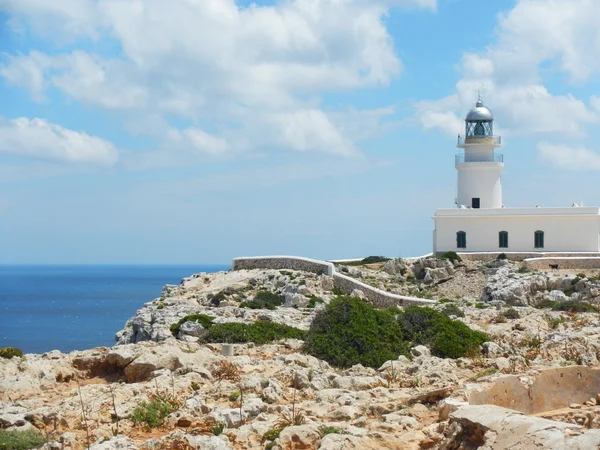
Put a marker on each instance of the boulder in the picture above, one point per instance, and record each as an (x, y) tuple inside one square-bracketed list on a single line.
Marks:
[(142, 367)]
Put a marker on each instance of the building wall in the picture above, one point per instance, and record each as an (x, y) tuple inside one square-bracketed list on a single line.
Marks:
[(481, 180), (562, 233)]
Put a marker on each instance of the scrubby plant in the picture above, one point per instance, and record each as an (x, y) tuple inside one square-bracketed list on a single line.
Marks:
[(453, 310), (260, 332), (524, 269), (331, 430), (272, 434), (217, 298), (202, 319), (314, 301), (554, 322), (452, 256), (21, 440), (218, 429), (226, 370), (502, 256), (160, 306), (374, 259), (153, 413), (10, 352), (233, 397), (349, 331), (445, 337), (337, 291), (572, 306), (511, 313), (264, 300)]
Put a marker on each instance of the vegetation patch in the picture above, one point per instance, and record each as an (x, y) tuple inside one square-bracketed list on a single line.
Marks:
[(453, 310), (9, 352), (154, 412), (502, 256), (202, 319), (264, 300), (511, 313), (21, 440), (445, 337), (572, 306), (452, 256), (349, 331), (314, 301), (331, 430), (261, 332)]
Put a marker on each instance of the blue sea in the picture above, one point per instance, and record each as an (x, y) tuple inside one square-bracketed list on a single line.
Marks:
[(66, 308)]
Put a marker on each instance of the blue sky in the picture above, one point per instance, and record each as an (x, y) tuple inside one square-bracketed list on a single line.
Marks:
[(196, 131)]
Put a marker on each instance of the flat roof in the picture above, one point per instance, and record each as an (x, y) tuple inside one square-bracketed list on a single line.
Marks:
[(518, 212)]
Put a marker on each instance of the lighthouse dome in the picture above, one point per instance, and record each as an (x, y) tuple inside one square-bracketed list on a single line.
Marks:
[(480, 113)]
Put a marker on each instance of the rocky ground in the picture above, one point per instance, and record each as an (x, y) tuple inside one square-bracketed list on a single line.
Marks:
[(238, 402)]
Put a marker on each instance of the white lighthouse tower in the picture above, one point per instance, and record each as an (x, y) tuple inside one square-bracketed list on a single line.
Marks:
[(479, 166)]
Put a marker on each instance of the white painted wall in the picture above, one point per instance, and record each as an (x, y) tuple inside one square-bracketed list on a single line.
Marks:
[(480, 180), (575, 230)]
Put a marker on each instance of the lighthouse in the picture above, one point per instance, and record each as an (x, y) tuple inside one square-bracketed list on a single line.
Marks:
[(479, 166), (481, 223)]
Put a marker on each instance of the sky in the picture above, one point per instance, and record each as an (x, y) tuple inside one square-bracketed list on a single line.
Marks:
[(194, 131)]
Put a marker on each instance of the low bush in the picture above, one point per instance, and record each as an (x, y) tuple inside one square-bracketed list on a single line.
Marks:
[(261, 332), (154, 412), (445, 337), (272, 434), (202, 319), (331, 430), (502, 256), (21, 440), (452, 256), (511, 313), (572, 306), (313, 301), (349, 331), (264, 300), (233, 397), (374, 259), (9, 352), (453, 310), (216, 299)]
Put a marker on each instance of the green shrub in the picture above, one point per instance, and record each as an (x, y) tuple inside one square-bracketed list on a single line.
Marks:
[(444, 300), (374, 259), (272, 434), (21, 440), (580, 275), (349, 331), (154, 412), (502, 256), (556, 321), (453, 310), (524, 270), (314, 301), (511, 313), (218, 429), (217, 298), (202, 319), (445, 337), (575, 280), (160, 306), (261, 332), (9, 352), (330, 430), (452, 256), (234, 396), (264, 300), (568, 306)]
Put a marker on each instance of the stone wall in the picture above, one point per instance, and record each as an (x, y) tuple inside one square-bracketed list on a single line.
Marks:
[(487, 256), (563, 263), (344, 283), (284, 262)]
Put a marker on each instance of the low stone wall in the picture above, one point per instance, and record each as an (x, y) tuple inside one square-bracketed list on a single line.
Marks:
[(487, 256), (284, 262), (344, 283), (563, 263), (376, 296)]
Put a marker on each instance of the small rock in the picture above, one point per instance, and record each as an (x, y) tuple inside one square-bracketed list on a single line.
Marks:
[(420, 350), (575, 406)]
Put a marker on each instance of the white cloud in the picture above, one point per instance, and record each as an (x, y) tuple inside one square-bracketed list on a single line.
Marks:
[(259, 69), (569, 158), (533, 37), (39, 140)]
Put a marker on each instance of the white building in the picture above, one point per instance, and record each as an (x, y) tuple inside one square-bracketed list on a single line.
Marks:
[(481, 223)]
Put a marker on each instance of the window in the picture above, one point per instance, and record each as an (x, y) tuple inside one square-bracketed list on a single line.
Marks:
[(539, 239), (503, 239), (475, 203), (461, 239)]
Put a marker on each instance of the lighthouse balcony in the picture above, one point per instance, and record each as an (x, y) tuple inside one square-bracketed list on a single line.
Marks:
[(463, 141), (462, 158)]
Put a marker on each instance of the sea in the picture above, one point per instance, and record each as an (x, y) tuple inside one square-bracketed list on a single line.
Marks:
[(77, 307)]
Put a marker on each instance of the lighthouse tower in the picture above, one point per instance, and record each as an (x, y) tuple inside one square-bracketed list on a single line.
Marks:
[(479, 166)]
